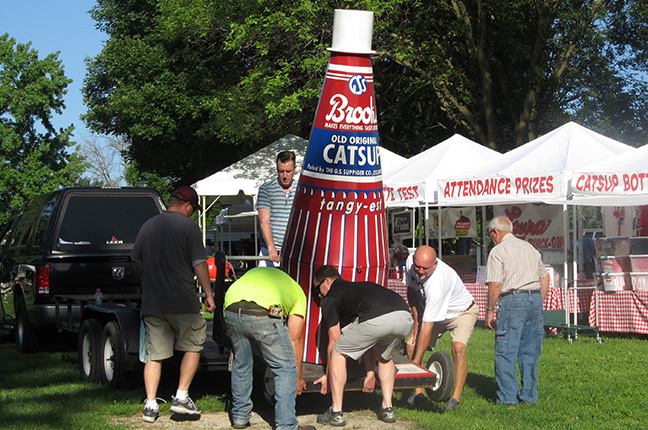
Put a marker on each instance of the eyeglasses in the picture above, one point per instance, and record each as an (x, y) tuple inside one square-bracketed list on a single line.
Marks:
[(491, 231), (317, 287)]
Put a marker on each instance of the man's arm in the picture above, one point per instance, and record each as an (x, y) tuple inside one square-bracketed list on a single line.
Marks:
[(369, 361), (544, 286), (266, 232), (494, 289), (334, 334), (201, 271), (139, 268), (423, 341), (296, 331)]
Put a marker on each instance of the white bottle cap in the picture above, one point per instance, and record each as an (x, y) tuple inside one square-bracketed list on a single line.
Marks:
[(352, 31)]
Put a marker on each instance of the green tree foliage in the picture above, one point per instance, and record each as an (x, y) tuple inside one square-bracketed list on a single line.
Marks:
[(196, 84), (33, 153)]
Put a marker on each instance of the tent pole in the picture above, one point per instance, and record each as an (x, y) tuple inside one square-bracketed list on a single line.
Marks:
[(439, 237), (566, 260), (413, 218), (425, 225), (203, 218), (484, 233)]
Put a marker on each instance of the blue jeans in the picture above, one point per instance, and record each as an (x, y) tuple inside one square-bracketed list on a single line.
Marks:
[(271, 337), (518, 336)]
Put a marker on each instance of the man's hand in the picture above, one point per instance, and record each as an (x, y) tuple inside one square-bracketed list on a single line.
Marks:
[(324, 381), (210, 304), (490, 317), (369, 382), (274, 256), (301, 386)]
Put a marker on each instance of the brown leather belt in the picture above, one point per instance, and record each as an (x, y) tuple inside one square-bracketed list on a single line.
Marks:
[(255, 312), (471, 305)]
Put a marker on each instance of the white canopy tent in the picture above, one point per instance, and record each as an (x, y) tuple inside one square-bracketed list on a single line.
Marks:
[(538, 171), (414, 183), (244, 177), (617, 181)]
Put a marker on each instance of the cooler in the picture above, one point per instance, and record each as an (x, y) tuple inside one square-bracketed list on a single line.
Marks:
[(639, 263), (612, 246), (616, 281), (615, 264), (639, 281), (639, 245)]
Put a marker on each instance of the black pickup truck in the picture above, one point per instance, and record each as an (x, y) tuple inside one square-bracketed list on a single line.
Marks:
[(69, 242)]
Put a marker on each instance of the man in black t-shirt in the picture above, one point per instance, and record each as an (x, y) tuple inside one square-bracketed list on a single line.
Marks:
[(361, 318)]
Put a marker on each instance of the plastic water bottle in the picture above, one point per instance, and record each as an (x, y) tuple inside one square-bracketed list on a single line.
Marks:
[(98, 297)]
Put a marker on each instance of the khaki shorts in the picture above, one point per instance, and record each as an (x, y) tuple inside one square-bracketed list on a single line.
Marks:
[(460, 328), (161, 331), (385, 332)]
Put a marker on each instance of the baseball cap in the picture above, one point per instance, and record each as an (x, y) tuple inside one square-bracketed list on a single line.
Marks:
[(187, 194)]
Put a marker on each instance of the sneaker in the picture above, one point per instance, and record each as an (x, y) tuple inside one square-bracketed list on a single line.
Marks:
[(336, 419), (415, 398), (452, 404), (241, 426), (150, 415), (387, 415), (306, 428), (186, 406)]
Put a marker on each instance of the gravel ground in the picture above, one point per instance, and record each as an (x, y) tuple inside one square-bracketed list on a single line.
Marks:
[(363, 420), (263, 415)]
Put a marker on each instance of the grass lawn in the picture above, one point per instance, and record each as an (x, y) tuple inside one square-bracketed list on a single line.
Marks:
[(583, 385)]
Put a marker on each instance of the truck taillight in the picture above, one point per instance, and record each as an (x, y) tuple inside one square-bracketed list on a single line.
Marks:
[(42, 282)]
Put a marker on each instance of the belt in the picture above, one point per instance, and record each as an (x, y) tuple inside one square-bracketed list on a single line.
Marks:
[(255, 312), (471, 305), (518, 291)]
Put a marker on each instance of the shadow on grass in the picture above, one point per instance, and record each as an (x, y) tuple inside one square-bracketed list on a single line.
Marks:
[(484, 386)]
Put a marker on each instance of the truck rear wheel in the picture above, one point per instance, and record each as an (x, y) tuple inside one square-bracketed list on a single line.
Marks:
[(88, 347), (442, 365), (26, 341), (113, 356)]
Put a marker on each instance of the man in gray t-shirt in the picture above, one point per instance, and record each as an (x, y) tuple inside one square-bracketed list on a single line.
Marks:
[(168, 253)]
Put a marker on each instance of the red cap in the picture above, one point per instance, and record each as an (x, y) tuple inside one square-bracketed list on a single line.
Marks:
[(187, 194)]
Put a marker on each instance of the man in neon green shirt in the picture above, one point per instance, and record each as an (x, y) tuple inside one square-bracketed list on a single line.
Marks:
[(255, 307)]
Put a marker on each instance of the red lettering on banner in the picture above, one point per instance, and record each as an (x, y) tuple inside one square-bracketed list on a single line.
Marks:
[(546, 242), (523, 228), (534, 185), (402, 193), (634, 181), (597, 183)]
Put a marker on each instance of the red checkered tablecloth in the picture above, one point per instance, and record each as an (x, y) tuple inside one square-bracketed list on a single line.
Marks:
[(398, 286), (556, 299), (620, 311)]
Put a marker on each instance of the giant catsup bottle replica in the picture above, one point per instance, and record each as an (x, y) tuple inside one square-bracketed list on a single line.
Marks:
[(338, 215)]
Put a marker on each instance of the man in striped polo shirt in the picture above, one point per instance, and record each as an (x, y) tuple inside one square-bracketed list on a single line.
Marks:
[(274, 204)]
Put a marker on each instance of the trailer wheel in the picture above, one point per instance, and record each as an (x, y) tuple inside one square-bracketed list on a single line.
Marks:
[(442, 365), (26, 341), (88, 347), (268, 386), (113, 356)]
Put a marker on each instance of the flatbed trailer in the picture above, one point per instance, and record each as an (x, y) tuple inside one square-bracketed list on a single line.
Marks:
[(109, 348)]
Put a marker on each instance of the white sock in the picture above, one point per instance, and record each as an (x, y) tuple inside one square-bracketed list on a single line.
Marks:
[(181, 395), (152, 404)]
